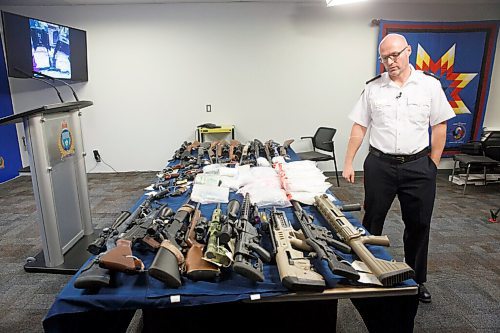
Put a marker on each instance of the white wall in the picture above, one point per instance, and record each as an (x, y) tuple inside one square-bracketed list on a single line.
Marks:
[(273, 70)]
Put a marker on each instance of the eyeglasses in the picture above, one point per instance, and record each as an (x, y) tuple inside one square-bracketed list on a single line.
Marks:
[(394, 57)]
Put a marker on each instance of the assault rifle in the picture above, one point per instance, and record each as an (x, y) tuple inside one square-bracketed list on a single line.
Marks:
[(320, 239), (120, 257), (388, 273), (248, 253), (296, 271), (169, 259)]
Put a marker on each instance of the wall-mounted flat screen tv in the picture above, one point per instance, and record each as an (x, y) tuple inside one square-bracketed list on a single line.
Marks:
[(37, 45)]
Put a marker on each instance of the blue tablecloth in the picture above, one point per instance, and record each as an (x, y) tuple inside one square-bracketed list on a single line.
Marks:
[(142, 291)]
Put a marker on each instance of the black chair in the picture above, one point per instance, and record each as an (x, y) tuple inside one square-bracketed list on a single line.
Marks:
[(322, 140), (490, 157)]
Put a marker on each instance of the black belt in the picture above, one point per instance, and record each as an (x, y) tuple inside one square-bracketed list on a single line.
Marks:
[(399, 159)]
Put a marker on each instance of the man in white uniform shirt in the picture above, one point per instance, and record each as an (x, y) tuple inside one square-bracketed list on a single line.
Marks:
[(399, 106)]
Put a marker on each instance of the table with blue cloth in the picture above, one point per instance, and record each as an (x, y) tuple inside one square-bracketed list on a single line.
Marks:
[(232, 301)]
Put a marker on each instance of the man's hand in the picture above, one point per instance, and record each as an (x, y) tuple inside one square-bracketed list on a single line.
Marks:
[(357, 134), (438, 140), (348, 173), (436, 160)]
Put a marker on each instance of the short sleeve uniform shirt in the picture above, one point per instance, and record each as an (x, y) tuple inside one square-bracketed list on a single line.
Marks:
[(399, 117)]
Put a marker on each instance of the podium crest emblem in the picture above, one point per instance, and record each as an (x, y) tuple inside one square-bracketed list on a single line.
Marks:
[(66, 143)]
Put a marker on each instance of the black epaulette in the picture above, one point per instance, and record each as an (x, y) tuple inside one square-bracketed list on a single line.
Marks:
[(432, 75), (373, 79)]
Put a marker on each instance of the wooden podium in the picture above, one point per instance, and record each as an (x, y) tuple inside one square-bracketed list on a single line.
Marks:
[(57, 162)]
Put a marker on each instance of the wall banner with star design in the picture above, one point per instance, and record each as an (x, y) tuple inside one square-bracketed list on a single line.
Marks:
[(460, 55)]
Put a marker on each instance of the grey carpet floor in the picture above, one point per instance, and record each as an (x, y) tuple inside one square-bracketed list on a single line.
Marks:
[(464, 255)]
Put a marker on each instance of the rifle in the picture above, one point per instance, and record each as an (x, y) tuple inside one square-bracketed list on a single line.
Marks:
[(99, 244), (234, 144), (180, 151), (201, 153), (92, 276), (296, 271), (256, 147), (120, 257), (244, 153), (95, 275), (267, 151), (196, 267), (211, 152), (284, 149), (217, 253), (169, 259), (388, 273), (319, 239), (186, 154), (220, 151), (228, 230), (248, 254)]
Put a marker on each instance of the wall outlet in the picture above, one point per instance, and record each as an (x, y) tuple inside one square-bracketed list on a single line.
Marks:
[(97, 156), (208, 107)]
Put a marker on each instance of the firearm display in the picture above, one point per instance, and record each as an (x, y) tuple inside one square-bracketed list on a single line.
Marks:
[(320, 239), (248, 253), (296, 271), (388, 273), (196, 267), (241, 241)]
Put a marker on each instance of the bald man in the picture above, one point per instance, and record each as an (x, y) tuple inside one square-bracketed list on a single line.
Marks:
[(399, 106)]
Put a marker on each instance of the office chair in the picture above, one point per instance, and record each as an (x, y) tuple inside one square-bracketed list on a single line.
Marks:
[(322, 140), (490, 157)]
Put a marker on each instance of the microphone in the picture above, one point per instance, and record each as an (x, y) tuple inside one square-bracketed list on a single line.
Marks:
[(37, 78), (399, 96), (58, 80)]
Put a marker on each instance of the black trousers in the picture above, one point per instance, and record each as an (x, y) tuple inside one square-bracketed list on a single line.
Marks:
[(414, 183)]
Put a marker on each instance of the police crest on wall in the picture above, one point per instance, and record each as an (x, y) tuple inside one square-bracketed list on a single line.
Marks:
[(460, 55)]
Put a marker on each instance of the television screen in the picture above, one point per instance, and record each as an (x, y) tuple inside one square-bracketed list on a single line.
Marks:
[(48, 48)]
